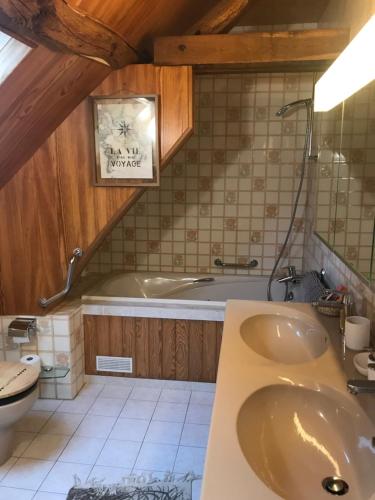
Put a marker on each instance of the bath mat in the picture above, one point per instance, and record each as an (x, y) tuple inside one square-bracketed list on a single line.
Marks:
[(136, 487)]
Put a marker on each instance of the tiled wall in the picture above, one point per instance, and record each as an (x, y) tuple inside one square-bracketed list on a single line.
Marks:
[(59, 342), (229, 192)]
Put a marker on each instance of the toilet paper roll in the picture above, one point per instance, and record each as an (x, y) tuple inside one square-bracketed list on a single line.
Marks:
[(357, 332), (32, 359)]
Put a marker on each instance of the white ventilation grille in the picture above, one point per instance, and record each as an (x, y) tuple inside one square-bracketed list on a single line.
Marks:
[(114, 364)]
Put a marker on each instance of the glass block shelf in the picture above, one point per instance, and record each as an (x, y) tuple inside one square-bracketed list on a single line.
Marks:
[(53, 372)]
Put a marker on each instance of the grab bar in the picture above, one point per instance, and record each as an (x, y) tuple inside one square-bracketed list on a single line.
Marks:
[(44, 302), (253, 263)]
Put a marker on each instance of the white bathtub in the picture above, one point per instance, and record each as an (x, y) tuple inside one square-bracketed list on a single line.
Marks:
[(181, 286)]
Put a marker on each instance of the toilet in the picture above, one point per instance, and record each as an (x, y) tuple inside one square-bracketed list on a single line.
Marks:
[(18, 391)]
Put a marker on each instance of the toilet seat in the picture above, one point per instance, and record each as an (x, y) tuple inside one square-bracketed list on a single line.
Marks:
[(17, 380)]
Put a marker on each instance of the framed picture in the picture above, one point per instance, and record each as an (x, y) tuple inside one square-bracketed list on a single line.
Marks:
[(126, 141)]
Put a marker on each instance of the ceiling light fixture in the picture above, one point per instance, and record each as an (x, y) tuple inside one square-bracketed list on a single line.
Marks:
[(352, 70)]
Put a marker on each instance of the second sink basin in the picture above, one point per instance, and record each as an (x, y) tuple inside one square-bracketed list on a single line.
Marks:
[(293, 438), (283, 339)]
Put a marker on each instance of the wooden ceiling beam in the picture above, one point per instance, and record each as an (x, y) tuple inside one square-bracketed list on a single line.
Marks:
[(59, 26), (220, 19), (250, 48)]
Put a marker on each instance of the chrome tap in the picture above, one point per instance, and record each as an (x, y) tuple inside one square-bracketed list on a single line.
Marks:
[(291, 275), (356, 387)]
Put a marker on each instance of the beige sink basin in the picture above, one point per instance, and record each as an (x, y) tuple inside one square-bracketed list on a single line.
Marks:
[(283, 339), (293, 438)]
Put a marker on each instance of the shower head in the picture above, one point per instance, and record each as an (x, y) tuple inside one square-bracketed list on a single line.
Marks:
[(287, 107)]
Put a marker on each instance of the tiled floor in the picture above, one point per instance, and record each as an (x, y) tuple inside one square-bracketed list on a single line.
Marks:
[(113, 427)]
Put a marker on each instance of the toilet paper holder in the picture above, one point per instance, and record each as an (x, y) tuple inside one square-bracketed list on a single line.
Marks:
[(22, 329)]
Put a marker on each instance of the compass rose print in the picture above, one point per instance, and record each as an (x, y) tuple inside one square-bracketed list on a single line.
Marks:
[(124, 128)]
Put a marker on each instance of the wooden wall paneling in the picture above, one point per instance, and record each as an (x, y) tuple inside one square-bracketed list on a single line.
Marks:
[(32, 255), (182, 350), (55, 194), (115, 325), (209, 346), (142, 348), (169, 348), (90, 212), (195, 350), (103, 333), (160, 348), (90, 337), (36, 97), (128, 337), (219, 337), (155, 348)]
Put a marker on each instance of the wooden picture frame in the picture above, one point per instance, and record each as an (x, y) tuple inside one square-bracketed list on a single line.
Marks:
[(126, 140)]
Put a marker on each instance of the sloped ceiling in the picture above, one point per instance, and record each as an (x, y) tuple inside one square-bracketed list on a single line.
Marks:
[(47, 86)]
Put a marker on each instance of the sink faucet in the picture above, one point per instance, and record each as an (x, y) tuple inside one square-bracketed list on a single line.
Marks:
[(291, 275), (363, 386)]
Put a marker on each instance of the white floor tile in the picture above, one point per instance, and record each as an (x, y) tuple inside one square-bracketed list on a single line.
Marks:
[(61, 477), (170, 412), (178, 384), (116, 391), (108, 475), (46, 404), (164, 432), (158, 457), (174, 396), (119, 454), (41, 495), (33, 421), (202, 397), (82, 450), (5, 467), (195, 435), (129, 429), (203, 386), (81, 404), (150, 474), (108, 407), (138, 409), (95, 426), (199, 414), (27, 473), (91, 390), (149, 382), (196, 488), (46, 447), (63, 423), (145, 393), (15, 494), (124, 381), (190, 459), (22, 441)]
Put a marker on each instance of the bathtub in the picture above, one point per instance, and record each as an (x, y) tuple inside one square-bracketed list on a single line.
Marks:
[(185, 287)]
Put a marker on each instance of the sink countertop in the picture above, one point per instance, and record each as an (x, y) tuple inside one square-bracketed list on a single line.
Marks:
[(242, 372)]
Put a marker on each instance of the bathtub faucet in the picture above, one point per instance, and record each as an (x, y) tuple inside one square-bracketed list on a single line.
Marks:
[(289, 275)]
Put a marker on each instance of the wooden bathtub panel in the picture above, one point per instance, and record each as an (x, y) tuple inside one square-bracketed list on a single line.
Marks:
[(169, 348), (182, 350), (160, 348), (155, 329)]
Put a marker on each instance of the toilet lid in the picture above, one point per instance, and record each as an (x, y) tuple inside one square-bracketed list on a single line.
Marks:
[(16, 378)]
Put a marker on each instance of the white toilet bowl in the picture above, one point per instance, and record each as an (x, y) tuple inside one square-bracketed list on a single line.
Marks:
[(18, 391)]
